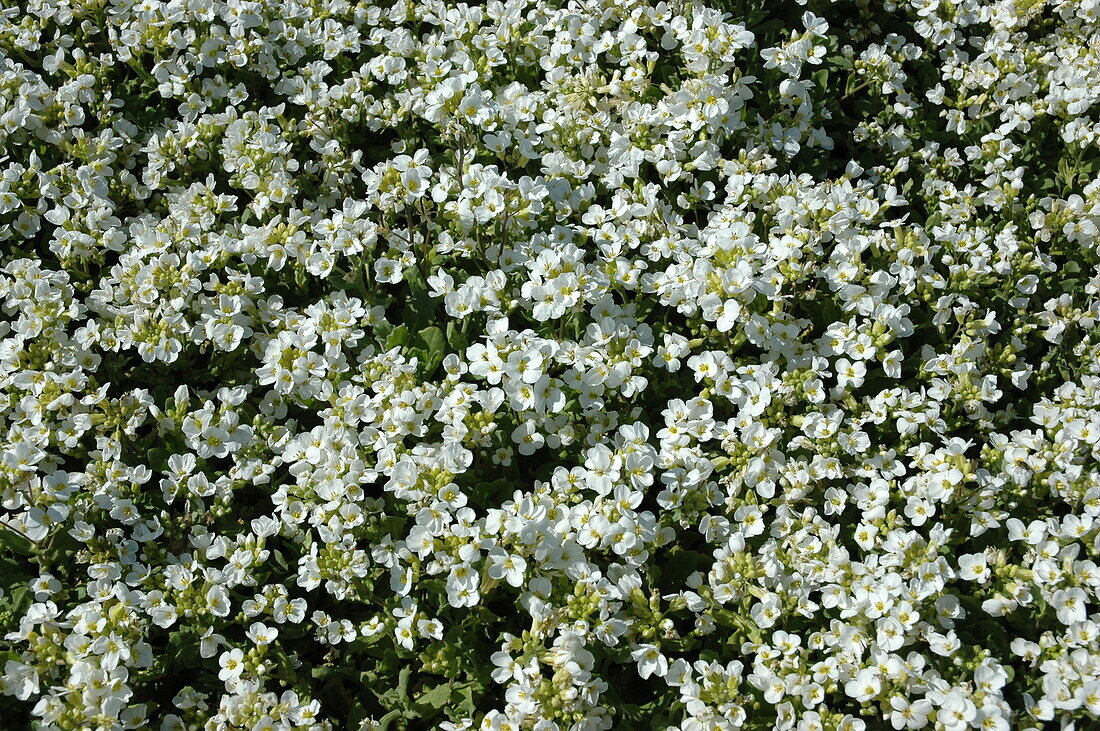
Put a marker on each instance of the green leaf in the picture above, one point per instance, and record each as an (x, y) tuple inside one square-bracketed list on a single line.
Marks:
[(436, 698), (433, 338), (389, 718), (466, 703), (357, 715), (403, 682), (395, 698), (12, 572), (456, 338), (398, 337), (13, 541), (486, 615), (20, 598), (419, 310), (157, 459), (679, 566)]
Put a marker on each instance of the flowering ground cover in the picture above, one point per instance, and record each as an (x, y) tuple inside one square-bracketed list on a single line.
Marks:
[(544, 364)]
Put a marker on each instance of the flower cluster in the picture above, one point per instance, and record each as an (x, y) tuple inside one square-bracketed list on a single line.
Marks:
[(550, 364)]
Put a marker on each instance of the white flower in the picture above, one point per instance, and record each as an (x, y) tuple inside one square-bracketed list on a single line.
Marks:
[(850, 374), (508, 567), (462, 586), (20, 680), (261, 634), (974, 567), (528, 439), (650, 661), (232, 665), (864, 685), (1070, 605)]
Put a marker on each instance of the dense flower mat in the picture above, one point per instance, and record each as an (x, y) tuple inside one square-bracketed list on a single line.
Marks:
[(550, 365)]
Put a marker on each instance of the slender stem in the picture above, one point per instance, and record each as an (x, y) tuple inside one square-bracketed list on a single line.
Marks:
[(858, 88)]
